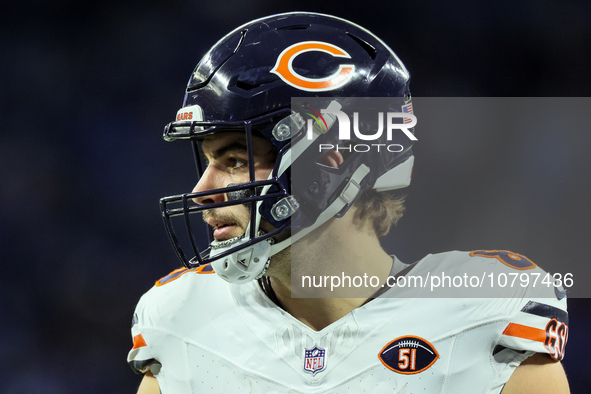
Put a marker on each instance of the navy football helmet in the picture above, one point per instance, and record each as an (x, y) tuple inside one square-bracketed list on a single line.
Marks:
[(260, 80)]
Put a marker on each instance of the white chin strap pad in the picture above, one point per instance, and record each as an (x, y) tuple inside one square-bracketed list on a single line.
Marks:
[(245, 265)]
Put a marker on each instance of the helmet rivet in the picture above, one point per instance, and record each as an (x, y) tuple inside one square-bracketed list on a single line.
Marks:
[(256, 259), (283, 131), (284, 208), (313, 187), (281, 211)]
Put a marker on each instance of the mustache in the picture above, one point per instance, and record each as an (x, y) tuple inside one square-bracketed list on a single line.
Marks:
[(229, 216), (221, 216)]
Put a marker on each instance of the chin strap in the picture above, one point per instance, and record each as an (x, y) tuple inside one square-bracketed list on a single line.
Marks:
[(348, 195), (244, 265)]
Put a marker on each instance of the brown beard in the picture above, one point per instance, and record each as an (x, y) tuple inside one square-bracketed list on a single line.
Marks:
[(223, 216)]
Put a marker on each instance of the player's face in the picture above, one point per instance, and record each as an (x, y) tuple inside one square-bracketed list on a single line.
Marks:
[(227, 164)]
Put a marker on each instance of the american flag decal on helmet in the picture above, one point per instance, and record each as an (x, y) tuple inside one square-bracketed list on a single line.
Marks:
[(407, 109)]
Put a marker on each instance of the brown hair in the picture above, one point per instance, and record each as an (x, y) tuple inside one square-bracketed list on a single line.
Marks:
[(378, 210)]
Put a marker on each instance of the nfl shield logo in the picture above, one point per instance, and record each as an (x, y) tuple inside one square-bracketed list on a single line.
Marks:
[(314, 360)]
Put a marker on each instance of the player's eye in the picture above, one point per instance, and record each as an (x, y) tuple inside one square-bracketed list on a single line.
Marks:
[(235, 162)]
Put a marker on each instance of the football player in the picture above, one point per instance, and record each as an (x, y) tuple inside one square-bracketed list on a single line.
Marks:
[(289, 289)]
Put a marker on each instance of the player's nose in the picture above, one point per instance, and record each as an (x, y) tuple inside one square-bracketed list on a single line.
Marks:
[(211, 179)]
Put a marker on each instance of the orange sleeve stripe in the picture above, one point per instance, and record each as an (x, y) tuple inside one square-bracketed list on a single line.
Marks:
[(531, 333), (205, 269), (138, 341)]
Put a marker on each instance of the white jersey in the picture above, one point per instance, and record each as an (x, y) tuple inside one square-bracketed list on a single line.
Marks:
[(198, 333)]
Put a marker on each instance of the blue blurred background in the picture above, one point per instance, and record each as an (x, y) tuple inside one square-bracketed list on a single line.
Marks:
[(86, 88)]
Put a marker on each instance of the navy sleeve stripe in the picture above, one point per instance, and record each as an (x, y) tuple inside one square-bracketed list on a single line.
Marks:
[(543, 310)]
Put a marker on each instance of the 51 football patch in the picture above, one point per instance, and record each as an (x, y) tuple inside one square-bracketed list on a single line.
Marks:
[(408, 355)]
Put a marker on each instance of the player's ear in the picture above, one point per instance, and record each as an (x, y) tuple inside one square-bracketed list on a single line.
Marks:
[(332, 159)]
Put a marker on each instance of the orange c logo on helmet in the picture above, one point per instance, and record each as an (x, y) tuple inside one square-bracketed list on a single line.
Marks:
[(284, 67)]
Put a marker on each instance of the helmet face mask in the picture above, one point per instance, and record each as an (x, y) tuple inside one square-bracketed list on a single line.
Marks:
[(235, 203), (254, 91)]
